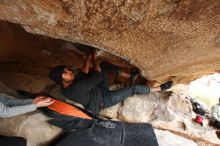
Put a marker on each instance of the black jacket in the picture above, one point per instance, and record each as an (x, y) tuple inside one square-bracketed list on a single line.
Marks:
[(85, 90)]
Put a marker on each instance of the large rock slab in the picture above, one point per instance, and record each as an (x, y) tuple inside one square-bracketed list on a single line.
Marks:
[(166, 138), (164, 110), (164, 38), (33, 127)]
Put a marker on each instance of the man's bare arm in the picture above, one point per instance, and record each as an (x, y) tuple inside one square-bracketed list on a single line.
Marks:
[(86, 66), (96, 64)]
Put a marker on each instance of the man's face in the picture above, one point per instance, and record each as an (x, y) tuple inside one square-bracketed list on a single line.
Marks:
[(68, 75)]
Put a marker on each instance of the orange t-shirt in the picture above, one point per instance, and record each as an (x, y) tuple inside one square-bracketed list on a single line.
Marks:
[(67, 109)]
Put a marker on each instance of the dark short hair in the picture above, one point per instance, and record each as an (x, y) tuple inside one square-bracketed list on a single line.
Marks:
[(55, 73)]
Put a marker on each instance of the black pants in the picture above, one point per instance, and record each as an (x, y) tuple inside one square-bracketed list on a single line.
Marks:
[(113, 97), (12, 141)]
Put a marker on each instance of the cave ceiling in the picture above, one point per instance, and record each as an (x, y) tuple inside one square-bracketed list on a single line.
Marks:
[(165, 39)]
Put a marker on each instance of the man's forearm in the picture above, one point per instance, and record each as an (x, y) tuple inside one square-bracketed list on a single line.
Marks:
[(95, 63), (96, 66), (85, 69), (86, 66)]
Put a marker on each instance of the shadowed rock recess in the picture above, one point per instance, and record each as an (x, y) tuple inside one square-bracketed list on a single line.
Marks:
[(177, 39), (165, 39)]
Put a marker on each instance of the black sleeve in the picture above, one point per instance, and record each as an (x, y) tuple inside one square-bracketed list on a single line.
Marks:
[(81, 75), (82, 86)]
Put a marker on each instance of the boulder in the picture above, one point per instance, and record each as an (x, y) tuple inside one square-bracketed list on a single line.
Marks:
[(166, 138), (164, 110), (32, 126), (165, 39)]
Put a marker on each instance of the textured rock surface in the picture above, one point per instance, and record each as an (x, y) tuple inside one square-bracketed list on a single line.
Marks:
[(176, 39), (167, 138), (164, 111), (32, 126), (25, 58), (24, 63)]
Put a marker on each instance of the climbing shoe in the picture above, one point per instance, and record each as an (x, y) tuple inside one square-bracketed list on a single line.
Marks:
[(134, 75), (166, 85)]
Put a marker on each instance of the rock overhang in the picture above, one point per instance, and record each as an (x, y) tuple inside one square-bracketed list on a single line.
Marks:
[(175, 40)]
